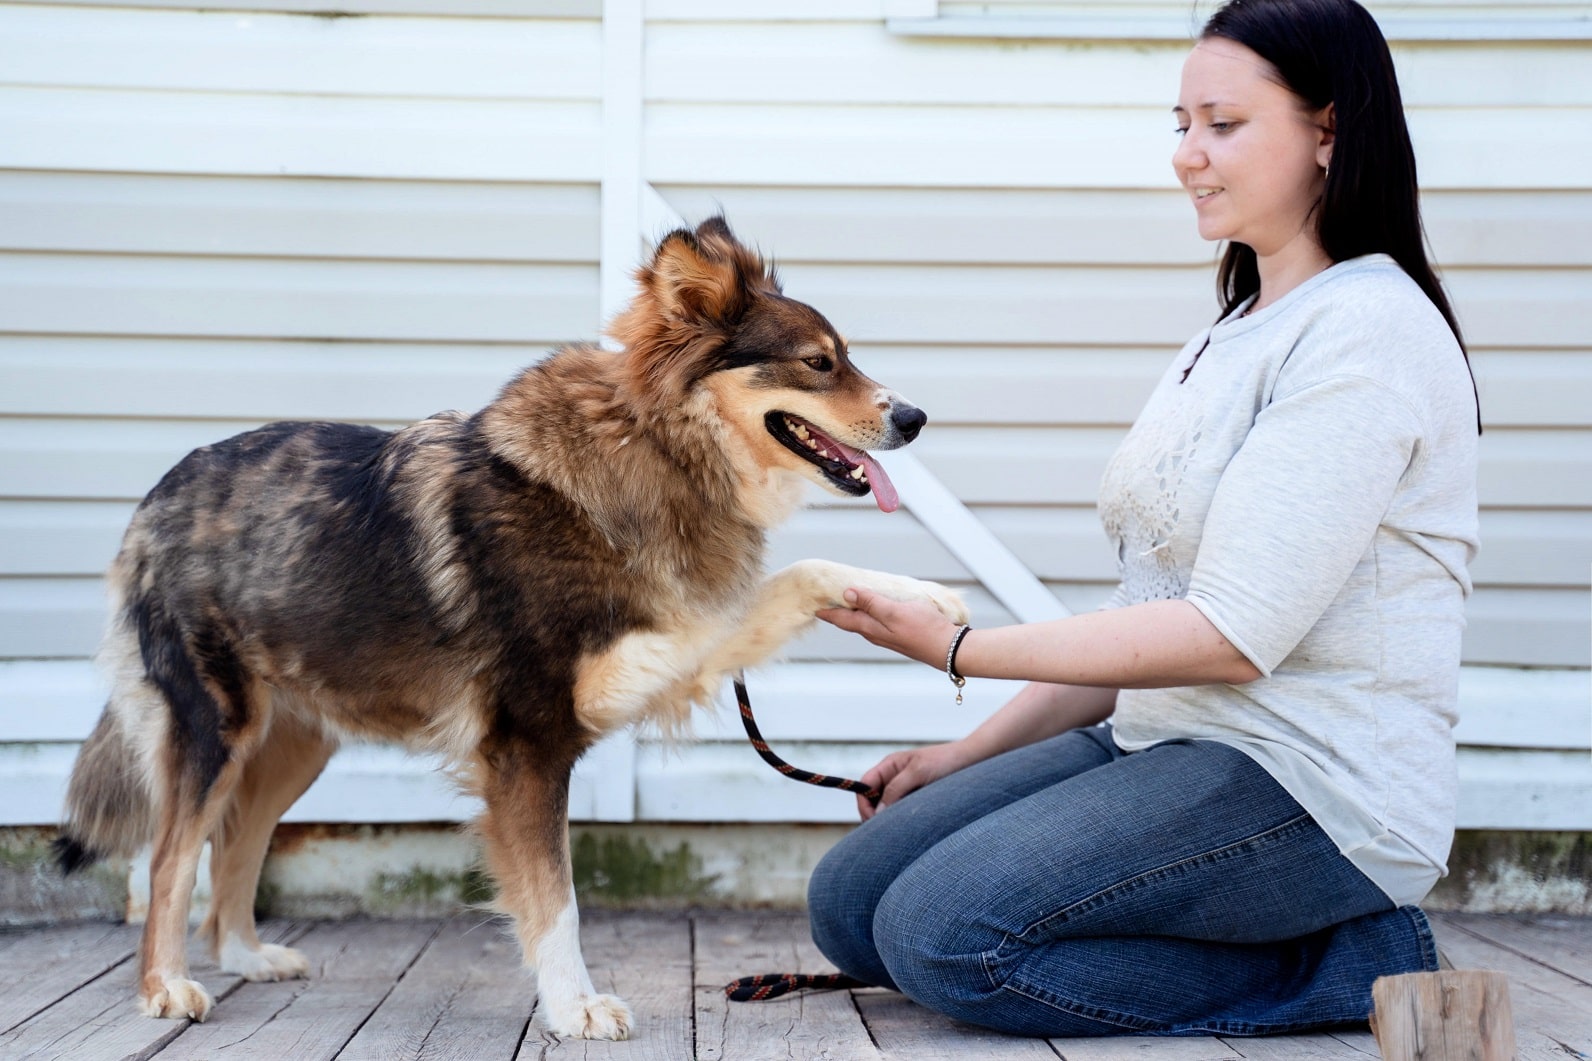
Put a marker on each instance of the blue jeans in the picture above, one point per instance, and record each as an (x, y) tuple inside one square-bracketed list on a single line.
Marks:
[(1069, 889)]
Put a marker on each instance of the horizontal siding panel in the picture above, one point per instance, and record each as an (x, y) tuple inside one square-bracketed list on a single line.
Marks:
[(1525, 790), (113, 376), (74, 538), (54, 458), (162, 132), (64, 618), (293, 55), (1535, 469), (282, 298), (997, 146), (956, 226), (865, 63), (1529, 627), (60, 701), (828, 145), (1081, 306), (1539, 229), (298, 218), (1535, 547), (724, 782), (999, 304), (780, 11), (251, 380), (317, 8), (1498, 789), (1534, 388), (1519, 548), (1093, 226), (362, 783)]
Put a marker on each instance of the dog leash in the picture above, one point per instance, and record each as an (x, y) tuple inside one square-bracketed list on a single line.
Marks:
[(764, 986)]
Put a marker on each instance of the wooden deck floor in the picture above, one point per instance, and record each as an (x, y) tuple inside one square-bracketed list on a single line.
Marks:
[(386, 990)]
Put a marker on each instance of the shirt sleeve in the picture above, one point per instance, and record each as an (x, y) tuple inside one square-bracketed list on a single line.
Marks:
[(1296, 509)]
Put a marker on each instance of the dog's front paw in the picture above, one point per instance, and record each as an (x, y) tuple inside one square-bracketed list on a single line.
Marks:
[(590, 1017), (175, 998), (901, 588), (269, 962), (948, 601)]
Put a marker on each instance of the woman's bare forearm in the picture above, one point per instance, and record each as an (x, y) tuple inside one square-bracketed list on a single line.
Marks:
[(1144, 646)]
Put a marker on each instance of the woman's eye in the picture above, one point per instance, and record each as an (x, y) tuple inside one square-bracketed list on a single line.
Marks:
[(1222, 127), (818, 364), (1180, 130)]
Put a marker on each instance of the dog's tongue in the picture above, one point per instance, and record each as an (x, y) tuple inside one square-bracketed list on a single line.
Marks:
[(884, 491)]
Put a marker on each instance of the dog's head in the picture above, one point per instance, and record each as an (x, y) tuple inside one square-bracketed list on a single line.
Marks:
[(710, 313)]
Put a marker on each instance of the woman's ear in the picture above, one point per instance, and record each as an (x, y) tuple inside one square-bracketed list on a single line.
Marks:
[(1327, 122)]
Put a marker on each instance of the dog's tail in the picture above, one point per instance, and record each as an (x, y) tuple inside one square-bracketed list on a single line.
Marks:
[(108, 807)]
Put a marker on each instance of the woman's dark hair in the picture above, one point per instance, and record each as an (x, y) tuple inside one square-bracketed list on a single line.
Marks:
[(1332, 52)]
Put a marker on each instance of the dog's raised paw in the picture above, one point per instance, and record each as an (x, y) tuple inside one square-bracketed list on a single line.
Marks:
[(591, 1017), (270, 962), (948, 601), (176, 998)]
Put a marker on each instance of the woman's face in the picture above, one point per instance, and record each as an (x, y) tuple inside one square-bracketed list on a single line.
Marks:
[(1250, 155)]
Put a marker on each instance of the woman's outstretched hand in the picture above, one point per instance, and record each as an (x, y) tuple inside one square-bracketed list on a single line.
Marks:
[(915, 629), (900, 773)]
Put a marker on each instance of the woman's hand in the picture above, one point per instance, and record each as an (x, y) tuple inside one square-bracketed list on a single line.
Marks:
[(899, 773), (915, 629)]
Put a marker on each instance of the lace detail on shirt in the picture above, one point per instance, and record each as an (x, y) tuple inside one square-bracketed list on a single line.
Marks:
[(1141, 511)]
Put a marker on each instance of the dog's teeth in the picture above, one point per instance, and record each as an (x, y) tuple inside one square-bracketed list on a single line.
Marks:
[(860, 474)]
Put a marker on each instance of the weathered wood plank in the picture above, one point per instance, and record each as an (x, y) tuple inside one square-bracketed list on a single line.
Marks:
[(353, 967), (101, 1019), (467, 998), (1553, 1013), (1145, 1048), (45, 965), (803, 1024), (646, 960), (905, 1031), (1319, 1047), (1564, 943)]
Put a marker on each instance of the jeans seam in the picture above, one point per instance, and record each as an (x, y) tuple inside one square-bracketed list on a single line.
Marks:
[(1104, 895)]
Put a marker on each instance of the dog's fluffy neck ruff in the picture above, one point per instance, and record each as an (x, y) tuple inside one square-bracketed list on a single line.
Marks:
[(569, 422)]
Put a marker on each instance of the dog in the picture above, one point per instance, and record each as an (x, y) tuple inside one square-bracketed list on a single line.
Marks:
[(583, 554)]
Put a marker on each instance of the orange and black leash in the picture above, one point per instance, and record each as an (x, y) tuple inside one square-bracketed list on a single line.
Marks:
[(765, 986)]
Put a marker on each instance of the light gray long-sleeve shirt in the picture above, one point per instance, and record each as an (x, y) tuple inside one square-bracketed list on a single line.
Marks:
[(1311, 488)]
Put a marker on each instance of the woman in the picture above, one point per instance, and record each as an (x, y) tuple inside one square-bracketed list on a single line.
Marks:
[(1240, 849)]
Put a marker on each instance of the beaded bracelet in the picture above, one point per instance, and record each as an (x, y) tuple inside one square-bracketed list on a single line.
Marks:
[(950, 661)]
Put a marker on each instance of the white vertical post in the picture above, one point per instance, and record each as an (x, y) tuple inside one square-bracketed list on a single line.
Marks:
[(608, 770), (623, 27)]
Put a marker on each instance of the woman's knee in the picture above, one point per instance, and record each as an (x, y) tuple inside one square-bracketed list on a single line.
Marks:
[(934, 947), (840, 908)]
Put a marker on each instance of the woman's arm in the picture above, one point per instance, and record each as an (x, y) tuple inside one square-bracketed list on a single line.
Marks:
[(1154, 645)]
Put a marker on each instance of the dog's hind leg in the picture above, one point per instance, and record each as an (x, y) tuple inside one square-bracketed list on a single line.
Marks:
[(287, 761), (526, 834), (186, 819), (217, 713)]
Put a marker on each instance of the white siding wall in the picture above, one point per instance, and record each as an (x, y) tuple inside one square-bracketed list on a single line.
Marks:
[(211, 220)]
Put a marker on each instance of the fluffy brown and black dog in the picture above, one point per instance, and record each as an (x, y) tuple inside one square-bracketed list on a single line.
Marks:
[(583, 554)]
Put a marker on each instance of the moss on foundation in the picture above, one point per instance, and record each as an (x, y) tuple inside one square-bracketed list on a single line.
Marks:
[(1517, 872), (616, 869)]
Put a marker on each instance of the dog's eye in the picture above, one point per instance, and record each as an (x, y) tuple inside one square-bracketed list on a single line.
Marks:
[(818, 364)]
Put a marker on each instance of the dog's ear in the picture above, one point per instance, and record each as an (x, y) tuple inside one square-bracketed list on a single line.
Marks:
[(704, 277)]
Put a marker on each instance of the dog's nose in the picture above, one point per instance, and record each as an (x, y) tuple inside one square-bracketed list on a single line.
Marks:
[(908, 420)]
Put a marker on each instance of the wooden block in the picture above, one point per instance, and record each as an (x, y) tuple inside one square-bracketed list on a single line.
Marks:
[(1446, 1016)]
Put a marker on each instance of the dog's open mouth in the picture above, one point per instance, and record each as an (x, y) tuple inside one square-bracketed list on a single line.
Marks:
[(852, 471)]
